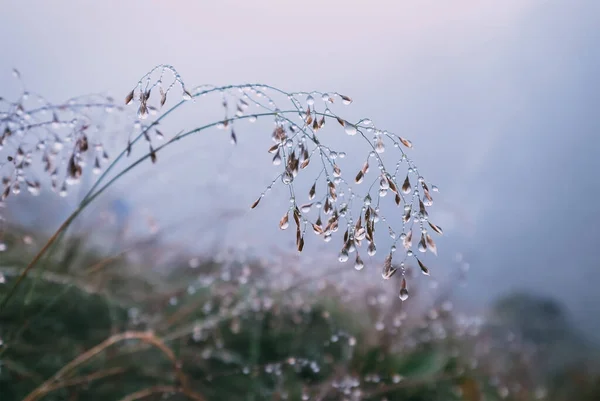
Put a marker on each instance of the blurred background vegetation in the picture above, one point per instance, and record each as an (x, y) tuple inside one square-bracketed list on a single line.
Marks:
[(97, 324)]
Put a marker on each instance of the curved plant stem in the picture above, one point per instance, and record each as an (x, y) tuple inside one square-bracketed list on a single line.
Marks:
[(93, 195)]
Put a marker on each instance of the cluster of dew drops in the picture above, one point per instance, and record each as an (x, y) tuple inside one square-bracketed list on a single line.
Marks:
[(296, 145), (41, 141), (332, 197)]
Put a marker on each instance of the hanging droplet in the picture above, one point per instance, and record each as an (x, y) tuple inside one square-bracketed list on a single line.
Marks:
[(403, 294), (350, 128), (287, 178), (371, 250), (346, 100), (422, 244), (186, 95), (343, 257), (284, 222), (310, 100), (358, 263)]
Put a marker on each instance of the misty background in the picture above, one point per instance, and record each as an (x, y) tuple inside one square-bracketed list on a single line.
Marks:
[(500, 99)]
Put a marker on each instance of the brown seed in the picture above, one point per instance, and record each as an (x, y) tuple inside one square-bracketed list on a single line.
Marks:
[(359, 177), (406, 185), (163, 96), (424, 268), (256, 202), (406, 142), (283, 223), (436, 228), (274, 148), (128, 98)]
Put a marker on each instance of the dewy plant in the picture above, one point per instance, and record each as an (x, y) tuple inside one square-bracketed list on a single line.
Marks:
[(68, 140)]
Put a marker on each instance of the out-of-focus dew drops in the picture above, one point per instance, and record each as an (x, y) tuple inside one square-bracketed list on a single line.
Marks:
[(3, 246), (396, 378), (2, 281)]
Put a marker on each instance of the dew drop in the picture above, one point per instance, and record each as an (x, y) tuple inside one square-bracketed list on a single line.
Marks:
[(358, 263), (310, 100), (343, 257), (350, 129), (371, 250), (403, 294), (287, 178)]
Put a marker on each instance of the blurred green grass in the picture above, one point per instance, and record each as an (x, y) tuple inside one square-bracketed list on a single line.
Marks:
[(234, 334)]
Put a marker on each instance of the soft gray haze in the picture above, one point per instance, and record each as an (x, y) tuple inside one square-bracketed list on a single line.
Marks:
[(500, 98)]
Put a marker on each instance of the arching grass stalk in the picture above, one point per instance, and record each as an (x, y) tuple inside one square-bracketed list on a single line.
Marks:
[(93, 194), (295, 144)]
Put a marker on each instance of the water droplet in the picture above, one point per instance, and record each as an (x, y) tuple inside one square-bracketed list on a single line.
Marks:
[(403, 294), (358, 263), (350, 129), (287, 178), (252, 119), (310, 100), (343, 257), (371, 250)]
